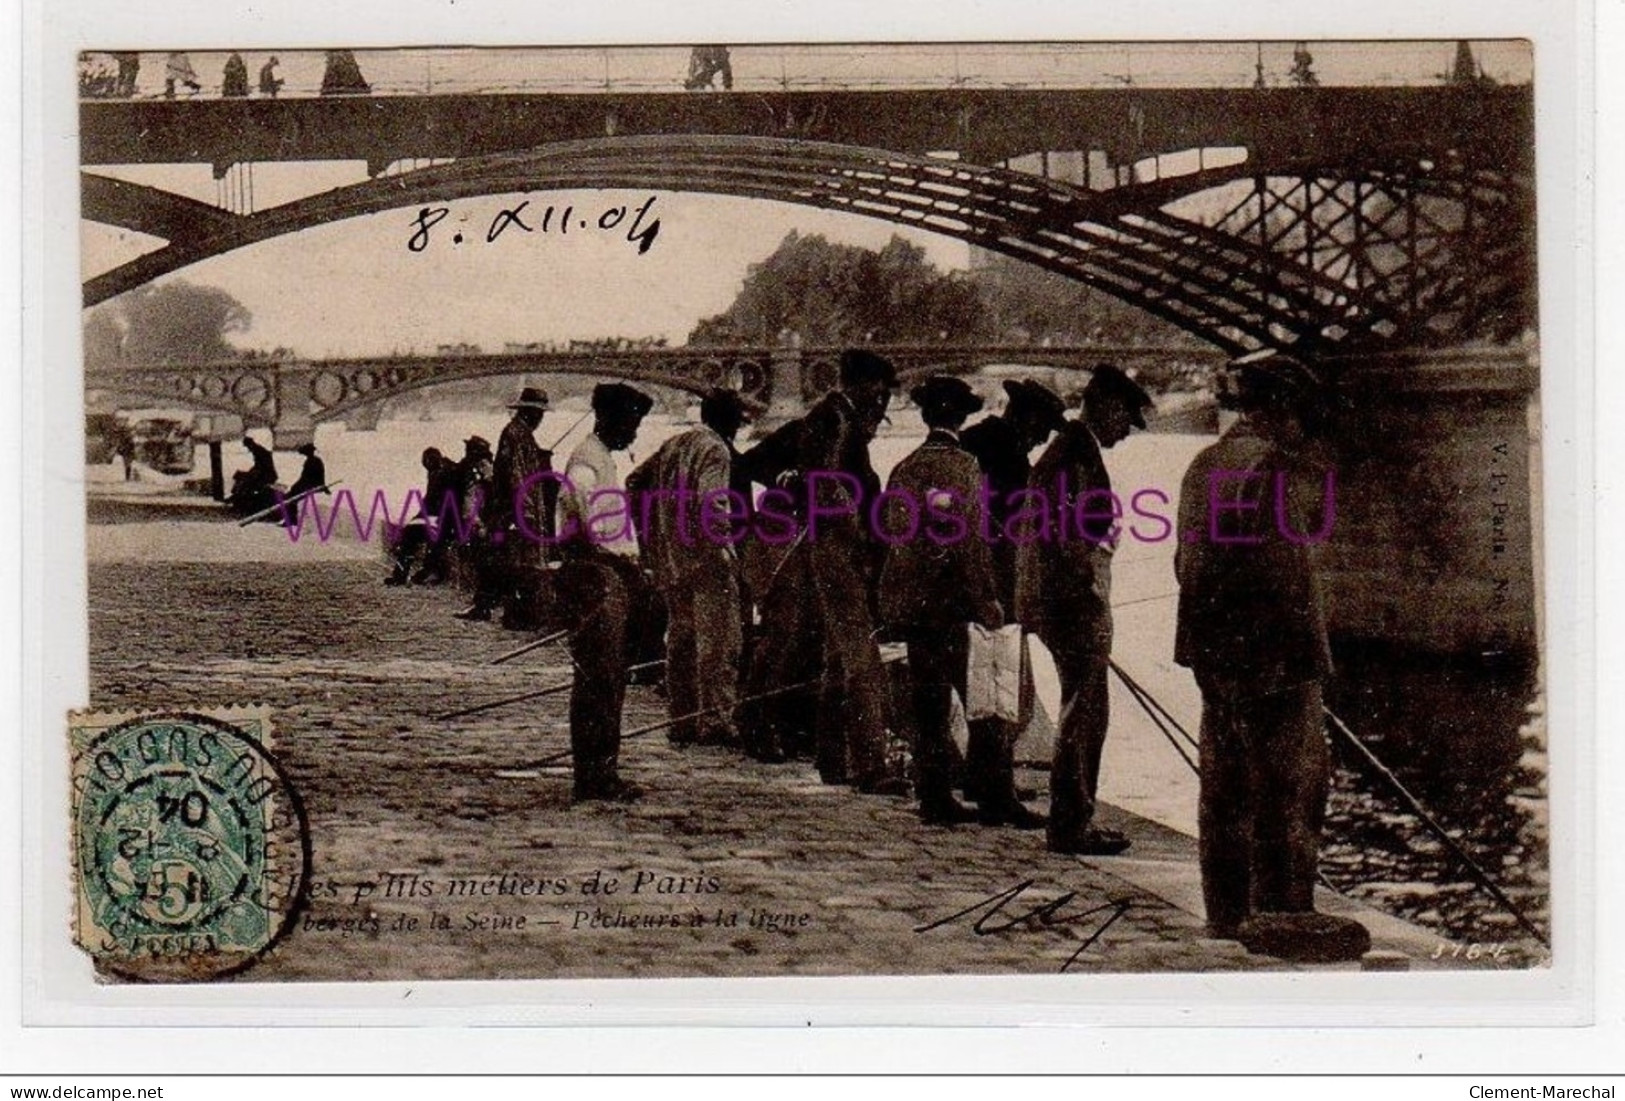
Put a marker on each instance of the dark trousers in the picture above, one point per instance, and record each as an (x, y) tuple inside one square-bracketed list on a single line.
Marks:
[(852, 692), (1081, 661), (1266, 773), (936, 670), (786, 650), (596, 594), (702, 653)]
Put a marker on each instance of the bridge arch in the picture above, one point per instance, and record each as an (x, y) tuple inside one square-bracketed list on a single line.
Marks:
[(1243, 282)]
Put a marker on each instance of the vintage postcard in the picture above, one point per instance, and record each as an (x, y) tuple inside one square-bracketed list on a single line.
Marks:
[(718, 511)]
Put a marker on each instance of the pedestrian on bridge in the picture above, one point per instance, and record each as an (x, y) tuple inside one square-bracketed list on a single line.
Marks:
[(602, 591), (683, 502), (178, 70), (270, 83), (1063, 595), (234, 81), (705, 64)]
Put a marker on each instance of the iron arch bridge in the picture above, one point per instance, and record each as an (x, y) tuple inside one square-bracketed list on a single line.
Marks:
[(1401, 251), (282, 395)]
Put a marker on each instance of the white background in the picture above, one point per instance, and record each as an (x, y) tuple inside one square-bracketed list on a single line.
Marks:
[(41, 584)]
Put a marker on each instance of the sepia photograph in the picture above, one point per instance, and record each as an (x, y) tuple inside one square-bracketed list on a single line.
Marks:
[(859, 510)]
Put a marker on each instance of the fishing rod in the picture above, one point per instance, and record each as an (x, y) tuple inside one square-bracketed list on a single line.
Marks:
[(1144, 696), (545, 640), (652, 728), (1411, 801), (536, 694), (703, 712), (1435, 827), (1144, 701), (566, 433), (285, 502)]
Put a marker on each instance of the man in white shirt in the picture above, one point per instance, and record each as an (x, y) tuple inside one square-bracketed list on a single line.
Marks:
[(601, 587)]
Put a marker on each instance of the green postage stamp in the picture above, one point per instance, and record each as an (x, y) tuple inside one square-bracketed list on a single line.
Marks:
[(189, 845)]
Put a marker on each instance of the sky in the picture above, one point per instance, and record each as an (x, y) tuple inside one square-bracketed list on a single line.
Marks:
[(354, 288)]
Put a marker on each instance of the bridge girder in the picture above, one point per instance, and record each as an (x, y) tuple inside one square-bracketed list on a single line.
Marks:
[(1459, 250)]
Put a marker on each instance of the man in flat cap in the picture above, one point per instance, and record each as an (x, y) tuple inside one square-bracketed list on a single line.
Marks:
[(1063, 595), (844, 560), (601, 589), (938, 578), (520, 511), (1001, 444), (686, 509), (1252, 630)]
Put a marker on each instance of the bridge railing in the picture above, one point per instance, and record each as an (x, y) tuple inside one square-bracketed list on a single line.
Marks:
[(415, 72)]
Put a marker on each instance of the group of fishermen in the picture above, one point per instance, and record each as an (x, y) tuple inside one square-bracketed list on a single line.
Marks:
[(816, 609)]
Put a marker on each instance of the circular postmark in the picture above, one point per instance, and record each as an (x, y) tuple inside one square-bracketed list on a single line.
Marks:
[(192, 848)]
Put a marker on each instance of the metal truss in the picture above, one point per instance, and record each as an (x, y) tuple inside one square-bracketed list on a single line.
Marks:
[(1397, 256)]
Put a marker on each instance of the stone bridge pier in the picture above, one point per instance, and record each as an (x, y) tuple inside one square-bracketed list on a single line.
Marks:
[(1432, 576), (295, 423)]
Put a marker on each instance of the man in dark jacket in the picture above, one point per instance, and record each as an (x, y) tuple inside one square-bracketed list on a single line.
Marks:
[(426, 533), (1001, 445), (938, 578), (1063, 595), (1252, 630), (785, 647), (844, 560), (521, 514)]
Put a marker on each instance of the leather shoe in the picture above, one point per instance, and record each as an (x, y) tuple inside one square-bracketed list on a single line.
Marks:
[(475, 614), (1090, 843), (616, 791), (946, 811), (886, 785), (1012, 814)]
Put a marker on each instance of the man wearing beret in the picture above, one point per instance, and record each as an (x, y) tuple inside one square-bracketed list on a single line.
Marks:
[(1252, 630), (685, 507), (1063, 595), (601, 590), (938, 578), (844, 560), (1001, 445)]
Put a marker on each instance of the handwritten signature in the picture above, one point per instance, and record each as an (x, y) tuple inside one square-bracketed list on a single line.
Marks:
[(1047, 915), (549, 219)]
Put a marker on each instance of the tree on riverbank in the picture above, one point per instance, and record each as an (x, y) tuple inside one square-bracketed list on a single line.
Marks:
[(175, 322), (842, 294)]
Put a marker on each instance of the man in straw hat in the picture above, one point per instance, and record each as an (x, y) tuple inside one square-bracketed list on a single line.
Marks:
[(938, 577), (521, 516), (1252, 629), (1001, 444), (1063, 595), (601, 590), (685, 508)]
